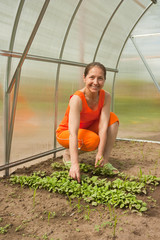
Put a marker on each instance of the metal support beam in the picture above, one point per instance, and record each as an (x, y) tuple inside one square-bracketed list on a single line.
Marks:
[(49, 59), (58, 71), (9, 125), (100, 40), (8, 70), (13, 112), (145, 63), (28, 159)]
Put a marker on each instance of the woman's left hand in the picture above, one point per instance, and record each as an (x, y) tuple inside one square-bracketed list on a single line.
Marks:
[(99, 160)]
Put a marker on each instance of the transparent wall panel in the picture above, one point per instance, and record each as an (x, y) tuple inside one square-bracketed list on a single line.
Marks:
[(118, 30), (150, 21), (109, 82), (8, 9), (149, 46), (71, 80), (137, 101), (87, 29), (51, 33), (28, 18), (34, 122)]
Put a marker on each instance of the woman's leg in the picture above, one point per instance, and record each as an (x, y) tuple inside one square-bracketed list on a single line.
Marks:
[(111, 137), (87, 140)]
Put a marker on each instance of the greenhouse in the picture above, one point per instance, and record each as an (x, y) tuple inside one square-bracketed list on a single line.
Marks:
[(45, 46)]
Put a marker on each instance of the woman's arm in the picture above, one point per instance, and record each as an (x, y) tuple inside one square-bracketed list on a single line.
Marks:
[(74, 121), (103, 126)]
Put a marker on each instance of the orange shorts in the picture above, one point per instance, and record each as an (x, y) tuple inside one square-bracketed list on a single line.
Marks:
[(88, 139)]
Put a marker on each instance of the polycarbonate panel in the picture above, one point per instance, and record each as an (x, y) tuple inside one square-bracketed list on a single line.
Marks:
[(34, 122), (118, 30), (137, 99), (2, 78), (71, 79), (137, 104), (8, 10), (149, 46), (150, 21), (51, 33), (28, 18), (109, 82), (87, 28)]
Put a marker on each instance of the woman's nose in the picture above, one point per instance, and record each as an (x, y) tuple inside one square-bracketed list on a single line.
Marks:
[(95, 81)]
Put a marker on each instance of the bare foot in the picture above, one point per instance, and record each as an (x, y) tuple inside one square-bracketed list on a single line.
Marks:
[(66, 156)]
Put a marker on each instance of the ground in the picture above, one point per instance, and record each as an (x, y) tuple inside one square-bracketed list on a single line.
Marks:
[(43, 215)]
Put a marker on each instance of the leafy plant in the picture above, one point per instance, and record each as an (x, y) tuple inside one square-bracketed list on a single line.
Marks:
[(4, 229), (51, 215), (117, 193)]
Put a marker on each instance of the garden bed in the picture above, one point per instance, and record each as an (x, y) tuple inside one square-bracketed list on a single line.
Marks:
[(33, 212)]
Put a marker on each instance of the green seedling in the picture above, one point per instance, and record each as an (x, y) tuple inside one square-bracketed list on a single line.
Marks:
[(117, 193), (79, 206), (114, 224), (34, 196), (87, 215), (51, 215), (98, 163), (45, 237), (4, 229), (97, 228)]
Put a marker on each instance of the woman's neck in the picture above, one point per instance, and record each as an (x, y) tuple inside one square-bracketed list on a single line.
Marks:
[(90, 95)]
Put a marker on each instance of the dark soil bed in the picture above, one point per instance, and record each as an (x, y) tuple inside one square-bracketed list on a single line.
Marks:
[(26, 214)]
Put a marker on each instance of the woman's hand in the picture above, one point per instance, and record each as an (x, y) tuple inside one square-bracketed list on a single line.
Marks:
[(74, 172), (99, 162)]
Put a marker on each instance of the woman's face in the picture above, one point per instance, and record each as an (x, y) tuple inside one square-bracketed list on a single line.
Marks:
[(94, 80)]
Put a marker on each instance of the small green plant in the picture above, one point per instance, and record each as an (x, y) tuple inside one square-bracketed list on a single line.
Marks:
[(18, 228), (51, 215), (45, 237), (97, 228), (120, 192), (79, 206), (114, 223), (4, 229), (34, 196)]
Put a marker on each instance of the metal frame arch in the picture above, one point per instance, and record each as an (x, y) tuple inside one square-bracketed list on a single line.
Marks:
[(110, 19), (114, 77), (8, 70), (16, 80), (58, 69)]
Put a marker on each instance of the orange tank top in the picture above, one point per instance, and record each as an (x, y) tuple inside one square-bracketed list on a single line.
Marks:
[(87, 115)]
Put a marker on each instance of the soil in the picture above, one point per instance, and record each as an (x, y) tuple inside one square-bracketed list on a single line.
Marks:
[(52, 216)]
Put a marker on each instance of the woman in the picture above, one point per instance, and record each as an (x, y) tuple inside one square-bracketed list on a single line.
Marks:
[(88, 123)]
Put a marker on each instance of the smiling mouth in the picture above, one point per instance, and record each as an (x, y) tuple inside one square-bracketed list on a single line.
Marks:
[(95, 87)]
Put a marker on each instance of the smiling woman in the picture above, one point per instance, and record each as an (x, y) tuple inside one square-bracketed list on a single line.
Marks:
[(88, 123)]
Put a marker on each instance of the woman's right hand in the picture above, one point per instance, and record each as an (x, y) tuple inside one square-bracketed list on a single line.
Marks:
[(74, 172)]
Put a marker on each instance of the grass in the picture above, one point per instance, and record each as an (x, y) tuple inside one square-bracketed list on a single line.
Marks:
[(137, 111)]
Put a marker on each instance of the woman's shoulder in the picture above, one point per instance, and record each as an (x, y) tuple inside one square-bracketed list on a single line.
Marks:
[(105, 93), (79, 93)]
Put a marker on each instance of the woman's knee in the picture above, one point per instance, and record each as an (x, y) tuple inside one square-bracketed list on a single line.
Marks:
[(89, 140)]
